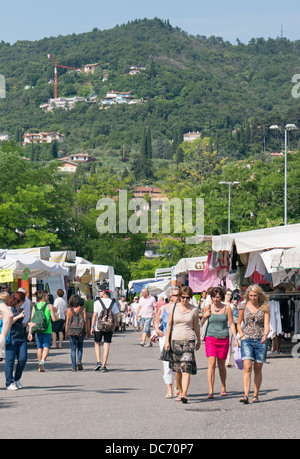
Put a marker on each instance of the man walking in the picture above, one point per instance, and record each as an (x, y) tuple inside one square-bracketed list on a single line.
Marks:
[(147, 310), (103, 302)]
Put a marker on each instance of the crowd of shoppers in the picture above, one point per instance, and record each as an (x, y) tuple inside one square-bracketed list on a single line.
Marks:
[(176, 321)]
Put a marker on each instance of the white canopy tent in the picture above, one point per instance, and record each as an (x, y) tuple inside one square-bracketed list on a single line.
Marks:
[(285, 258), (159, 287), (38, 268), (190, 264), (257, 240)]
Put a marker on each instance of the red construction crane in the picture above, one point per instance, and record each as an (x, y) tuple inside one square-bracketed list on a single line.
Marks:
[(55, 73)]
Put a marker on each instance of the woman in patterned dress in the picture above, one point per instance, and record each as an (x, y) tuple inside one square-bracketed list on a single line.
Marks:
[(185, 340)]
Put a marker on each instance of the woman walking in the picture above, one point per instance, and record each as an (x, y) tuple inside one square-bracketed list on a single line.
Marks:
[(16, 343), (218, 315), (76, 330), (184, 335), (160, 325), (255, 314), (42, 338)]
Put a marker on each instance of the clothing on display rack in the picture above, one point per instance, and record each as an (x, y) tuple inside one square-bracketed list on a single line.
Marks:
[(285, 315)]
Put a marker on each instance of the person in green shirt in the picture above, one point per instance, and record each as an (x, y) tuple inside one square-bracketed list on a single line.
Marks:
[(42, 339), (89, 306)]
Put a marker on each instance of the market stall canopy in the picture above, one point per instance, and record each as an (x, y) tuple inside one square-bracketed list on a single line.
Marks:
[(37, 268), (137, 285), (285, 258), (257, 240), (80, 269), (156, 288), (36, 252), (190, 264)]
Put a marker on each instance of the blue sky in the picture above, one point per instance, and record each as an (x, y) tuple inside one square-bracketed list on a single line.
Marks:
[(229, 19)]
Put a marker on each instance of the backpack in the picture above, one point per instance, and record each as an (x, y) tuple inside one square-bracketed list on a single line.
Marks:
[(76, 323), (40, 320), (105, 321)]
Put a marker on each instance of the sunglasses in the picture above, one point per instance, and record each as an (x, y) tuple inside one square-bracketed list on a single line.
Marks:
[(185, 297)]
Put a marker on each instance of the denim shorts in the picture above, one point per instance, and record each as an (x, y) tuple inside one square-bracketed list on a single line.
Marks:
[(43, 340), (253, 349), (146, 321)]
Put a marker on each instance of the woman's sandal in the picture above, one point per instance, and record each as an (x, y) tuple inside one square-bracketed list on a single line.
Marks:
[(255, 400), (244, 400), (210, 395)]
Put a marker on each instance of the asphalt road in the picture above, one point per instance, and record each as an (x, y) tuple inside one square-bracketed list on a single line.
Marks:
[(129, 401)]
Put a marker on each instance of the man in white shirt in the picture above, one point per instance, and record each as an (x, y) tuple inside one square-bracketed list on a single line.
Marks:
[(147, 310), (98, 335)]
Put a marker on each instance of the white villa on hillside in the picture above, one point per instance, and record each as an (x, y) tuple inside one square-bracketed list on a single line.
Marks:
[(67, 103), (190, 136), (42, 137), (116, 97)]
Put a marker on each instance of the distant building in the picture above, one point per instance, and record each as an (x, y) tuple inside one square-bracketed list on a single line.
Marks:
[(78, 157), (90, 68), (4, 136), (67, 103), (42, 137), (134, 70), (67, 166), (116, 97), (190, 136)]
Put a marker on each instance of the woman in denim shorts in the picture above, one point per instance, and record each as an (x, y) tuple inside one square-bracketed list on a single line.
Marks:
[(255, 314)]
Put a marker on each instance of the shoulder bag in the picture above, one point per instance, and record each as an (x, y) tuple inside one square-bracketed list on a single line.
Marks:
[(167, 356)]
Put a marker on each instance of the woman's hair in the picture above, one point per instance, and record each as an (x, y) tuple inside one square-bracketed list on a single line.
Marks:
[(76, 301), (4, 296), (171, 291), (187, 290), (17, 297), (262, 297), (229, 291), (218, 291), (60, 292), (41, 294)]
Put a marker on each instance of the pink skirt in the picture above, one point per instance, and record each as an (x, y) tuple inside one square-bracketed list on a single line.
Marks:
[(216, 347)]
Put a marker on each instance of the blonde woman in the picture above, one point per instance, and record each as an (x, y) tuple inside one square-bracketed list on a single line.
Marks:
[(255, 314)]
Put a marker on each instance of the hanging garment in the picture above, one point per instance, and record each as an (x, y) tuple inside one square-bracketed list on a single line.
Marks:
[(275, 318), (255, 263)]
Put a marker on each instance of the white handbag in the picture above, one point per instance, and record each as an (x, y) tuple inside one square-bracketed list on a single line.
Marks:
[(203, 329)]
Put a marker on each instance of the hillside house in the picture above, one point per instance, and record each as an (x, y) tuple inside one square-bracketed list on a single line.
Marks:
[(4, 137), (42, 137), (135, 70), (191, 136), (90, 68), (116, 97), (67, 166), (67, 103), (78, 157)]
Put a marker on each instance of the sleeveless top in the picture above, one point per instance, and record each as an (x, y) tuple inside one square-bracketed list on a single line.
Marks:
[(183, 325), (218, 326), (254, 323)]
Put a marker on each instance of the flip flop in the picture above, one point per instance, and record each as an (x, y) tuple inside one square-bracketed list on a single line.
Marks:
[(184, 399), (210, 396), (169, 396), (244, 400), (223, 393), (178, 399)]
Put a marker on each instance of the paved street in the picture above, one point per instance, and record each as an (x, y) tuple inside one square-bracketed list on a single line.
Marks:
[(128, 402)]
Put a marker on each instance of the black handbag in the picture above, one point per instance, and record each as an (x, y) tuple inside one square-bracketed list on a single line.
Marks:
[(167, 356)]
